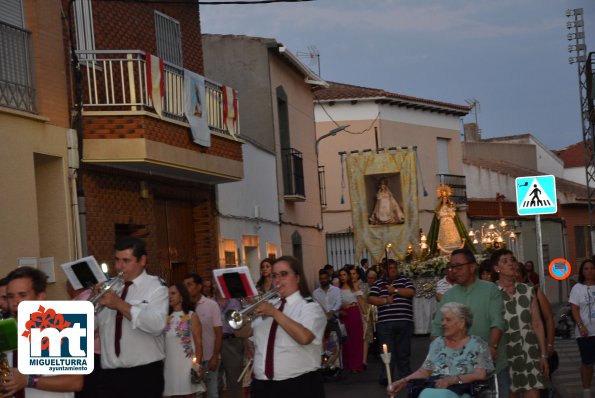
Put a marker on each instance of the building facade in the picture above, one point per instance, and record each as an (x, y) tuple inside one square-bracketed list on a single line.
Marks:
[(277, 120), (379, 119), (143, 174), (37, 167)]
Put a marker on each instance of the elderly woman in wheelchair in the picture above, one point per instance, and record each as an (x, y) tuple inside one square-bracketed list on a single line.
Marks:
[(454, 361)]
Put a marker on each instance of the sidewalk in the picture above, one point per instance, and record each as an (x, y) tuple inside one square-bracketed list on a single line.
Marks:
[(567, 379)]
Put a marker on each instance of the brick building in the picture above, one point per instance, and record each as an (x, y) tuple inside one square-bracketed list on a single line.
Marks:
[(142, 174)]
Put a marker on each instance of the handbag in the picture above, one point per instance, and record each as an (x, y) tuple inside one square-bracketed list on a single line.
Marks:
[(553, 360)]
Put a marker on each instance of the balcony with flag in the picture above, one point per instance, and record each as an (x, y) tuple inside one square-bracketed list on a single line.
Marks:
[(143, 114)]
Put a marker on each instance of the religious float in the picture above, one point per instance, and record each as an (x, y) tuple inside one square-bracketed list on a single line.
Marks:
[(383, 188)]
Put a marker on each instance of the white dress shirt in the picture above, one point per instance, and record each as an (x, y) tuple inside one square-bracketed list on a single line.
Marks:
[(142, 337), (329, 299), (291, 359)]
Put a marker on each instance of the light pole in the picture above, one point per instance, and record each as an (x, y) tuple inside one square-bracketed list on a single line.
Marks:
[(331, 133)]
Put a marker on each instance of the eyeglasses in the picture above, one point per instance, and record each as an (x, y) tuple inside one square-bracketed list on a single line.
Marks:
[(456, 267), (282, 274)]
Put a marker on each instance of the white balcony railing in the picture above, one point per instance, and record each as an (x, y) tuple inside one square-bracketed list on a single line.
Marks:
[(116, 80)]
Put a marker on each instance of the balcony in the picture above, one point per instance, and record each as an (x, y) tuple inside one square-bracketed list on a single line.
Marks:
[(293, 175), (123, 130), (17, 90), (116, 80), (457, 184)]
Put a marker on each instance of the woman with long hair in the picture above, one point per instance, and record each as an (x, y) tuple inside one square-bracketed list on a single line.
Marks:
[(183, 344), (265, 282), (526, 345), (582, 301), (352, 307)]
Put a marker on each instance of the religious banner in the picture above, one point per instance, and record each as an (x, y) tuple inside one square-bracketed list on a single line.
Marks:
[(384, 208), (195, 108)]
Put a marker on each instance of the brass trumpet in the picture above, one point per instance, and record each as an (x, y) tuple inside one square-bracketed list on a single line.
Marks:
[(236, 319), (115, 284)]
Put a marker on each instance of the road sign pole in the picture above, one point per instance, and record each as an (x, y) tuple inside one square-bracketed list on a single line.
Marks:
[(540, 252)]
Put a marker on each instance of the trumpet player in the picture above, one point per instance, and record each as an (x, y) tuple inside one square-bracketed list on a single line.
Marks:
[(288, 338), (27, 283), (131, 326)]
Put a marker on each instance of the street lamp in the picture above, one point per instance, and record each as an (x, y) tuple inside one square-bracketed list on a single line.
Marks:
[(331, 133)]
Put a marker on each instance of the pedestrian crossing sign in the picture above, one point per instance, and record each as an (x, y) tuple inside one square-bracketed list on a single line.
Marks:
[(536, 195)]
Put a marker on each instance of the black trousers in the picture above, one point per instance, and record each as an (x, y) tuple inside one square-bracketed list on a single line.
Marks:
[(309, 385), (140, 381)]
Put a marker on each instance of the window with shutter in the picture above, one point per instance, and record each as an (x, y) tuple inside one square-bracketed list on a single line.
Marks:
[(83, 21), (169, 39)]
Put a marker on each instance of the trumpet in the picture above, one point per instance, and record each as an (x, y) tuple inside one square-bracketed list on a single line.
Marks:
[(236, 319), (115, 284)]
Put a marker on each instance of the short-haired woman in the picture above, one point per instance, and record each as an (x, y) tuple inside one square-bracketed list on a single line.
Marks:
[(455, 357)]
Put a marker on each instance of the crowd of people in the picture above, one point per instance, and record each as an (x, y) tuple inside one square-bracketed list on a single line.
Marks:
[(155, 341)]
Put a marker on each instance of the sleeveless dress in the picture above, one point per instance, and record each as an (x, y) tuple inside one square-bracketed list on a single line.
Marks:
[(522, 348), (353, 345), (179, 351)]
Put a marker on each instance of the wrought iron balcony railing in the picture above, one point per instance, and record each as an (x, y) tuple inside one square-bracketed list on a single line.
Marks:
[(293, 174), (117, 80), (17, 89), (458, 185), (322, 185)]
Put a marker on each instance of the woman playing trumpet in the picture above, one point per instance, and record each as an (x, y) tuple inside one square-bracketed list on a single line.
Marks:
[(288, 338)]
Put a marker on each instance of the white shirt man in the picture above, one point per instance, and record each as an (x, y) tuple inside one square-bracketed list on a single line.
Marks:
[(131, 327), (327, 295)]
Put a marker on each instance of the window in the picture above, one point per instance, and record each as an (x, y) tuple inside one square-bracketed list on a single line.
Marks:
[(442, 155), (229, 253), (11, 12), (17, 88), (85, 36), (169, 39)]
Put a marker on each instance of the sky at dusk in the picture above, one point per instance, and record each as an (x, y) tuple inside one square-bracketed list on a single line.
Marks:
[(510, 55)]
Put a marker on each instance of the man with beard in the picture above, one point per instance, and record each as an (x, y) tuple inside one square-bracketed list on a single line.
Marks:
[(327, 295)]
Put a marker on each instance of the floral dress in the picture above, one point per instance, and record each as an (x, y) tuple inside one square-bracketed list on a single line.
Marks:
[(444, 361), (179, 351), (522, 347)]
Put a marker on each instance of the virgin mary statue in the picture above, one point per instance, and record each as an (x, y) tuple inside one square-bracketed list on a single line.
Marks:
[(447, 232), (386, 210)]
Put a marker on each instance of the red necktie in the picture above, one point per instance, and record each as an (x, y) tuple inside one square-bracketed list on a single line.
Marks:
[(15, 364), (119, 317), (268, 362)]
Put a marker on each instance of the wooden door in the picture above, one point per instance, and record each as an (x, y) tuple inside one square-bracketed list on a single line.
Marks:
[(175, 237)]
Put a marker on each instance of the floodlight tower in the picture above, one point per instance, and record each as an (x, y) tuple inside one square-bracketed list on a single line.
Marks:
[(578, 51)]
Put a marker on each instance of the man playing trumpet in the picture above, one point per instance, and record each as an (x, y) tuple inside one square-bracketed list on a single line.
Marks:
[(131, 327), (288, 338)]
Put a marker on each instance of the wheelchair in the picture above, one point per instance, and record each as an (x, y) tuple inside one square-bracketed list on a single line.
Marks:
[(478, 389)]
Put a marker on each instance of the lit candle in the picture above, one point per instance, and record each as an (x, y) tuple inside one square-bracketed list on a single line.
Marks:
[(384, 348), (194, 360)]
